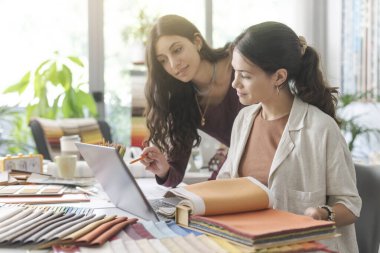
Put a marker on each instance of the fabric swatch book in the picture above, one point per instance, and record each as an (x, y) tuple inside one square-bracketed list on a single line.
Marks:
[(240, 210)]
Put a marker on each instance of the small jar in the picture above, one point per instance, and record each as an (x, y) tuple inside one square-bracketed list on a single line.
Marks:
[(68, 145)]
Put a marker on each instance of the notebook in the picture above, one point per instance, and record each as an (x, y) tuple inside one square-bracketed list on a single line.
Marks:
[(118, 182)]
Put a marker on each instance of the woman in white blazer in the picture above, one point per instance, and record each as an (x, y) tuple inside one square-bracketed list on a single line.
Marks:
[(310, 170)]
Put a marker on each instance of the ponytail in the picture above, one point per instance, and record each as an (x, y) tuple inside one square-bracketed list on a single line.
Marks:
[(312, 88)]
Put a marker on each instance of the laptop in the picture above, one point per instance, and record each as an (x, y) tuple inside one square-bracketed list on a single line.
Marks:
[(119, 184)]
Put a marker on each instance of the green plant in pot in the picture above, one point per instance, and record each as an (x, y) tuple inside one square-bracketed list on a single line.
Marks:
[(352, 124), (57, 86)]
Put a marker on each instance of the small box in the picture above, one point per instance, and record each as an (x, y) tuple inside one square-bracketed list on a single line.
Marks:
[(27, 163)]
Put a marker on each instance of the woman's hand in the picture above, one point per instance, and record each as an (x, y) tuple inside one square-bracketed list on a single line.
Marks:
[(316, 213), (155, 161), (343, 215)]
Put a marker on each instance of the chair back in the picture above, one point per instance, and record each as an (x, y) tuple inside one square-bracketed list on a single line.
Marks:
[(46, 133), (368, 224)]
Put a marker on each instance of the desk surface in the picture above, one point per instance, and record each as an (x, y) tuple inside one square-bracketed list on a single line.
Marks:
[(102, 205)]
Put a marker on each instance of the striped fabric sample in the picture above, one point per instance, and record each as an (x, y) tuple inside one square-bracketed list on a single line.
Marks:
[(87, 129)]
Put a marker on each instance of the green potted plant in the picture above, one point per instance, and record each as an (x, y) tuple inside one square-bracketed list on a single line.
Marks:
[(57, 86)]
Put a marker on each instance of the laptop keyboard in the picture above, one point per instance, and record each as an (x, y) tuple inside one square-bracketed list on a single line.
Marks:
[(164, 203), (157, 203)]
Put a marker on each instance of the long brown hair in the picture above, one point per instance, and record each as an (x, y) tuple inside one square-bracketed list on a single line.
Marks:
[(272, 45), (171, 113)]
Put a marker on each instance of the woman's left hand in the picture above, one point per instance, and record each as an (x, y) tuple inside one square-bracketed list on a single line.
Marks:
[(316, 213)]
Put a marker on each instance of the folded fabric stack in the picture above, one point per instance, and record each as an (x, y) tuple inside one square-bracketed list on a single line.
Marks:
[(21, 226), (168, 237)]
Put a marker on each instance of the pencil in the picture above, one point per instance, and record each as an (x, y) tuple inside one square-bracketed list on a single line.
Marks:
[(138, 159)]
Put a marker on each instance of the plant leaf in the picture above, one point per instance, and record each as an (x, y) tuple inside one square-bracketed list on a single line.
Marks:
[(88, 101), (66, 77), (51, 74), (20, 86), (76, 60)]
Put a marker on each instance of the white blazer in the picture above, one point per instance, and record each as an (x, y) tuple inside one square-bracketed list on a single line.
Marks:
[(312, 165)]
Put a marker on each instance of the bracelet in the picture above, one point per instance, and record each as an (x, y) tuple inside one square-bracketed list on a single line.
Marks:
[(330, 212)]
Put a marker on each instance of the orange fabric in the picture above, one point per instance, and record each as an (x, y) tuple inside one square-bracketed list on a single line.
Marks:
[(111, 232), (230, 195), (263, 223), (87, 238)]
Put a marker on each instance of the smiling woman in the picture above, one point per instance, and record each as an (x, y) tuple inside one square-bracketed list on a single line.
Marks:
[(188, 88)]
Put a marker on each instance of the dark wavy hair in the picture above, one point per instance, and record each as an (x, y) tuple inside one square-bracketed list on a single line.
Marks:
[(171, 112), (272, 46)]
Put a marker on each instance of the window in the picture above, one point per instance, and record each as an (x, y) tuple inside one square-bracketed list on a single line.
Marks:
[(229, 22), (33, 30), (119, 54), (361, 48)]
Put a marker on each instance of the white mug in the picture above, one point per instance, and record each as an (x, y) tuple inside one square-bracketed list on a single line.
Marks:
[(66, 165), (68, 145)]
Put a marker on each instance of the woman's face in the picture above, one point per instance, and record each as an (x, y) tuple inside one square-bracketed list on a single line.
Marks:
[(252, 84), (179, 56)]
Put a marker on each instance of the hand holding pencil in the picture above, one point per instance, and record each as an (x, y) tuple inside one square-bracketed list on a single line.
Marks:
[(154, 160), (137, 159)]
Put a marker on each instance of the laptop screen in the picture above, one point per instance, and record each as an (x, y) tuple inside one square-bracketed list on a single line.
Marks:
[(116, 179)]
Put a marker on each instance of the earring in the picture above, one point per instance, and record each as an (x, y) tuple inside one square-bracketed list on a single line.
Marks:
[(278, 90)]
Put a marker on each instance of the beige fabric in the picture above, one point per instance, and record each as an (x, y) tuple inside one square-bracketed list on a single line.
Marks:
[(145, 246), (226, 244), (171, 245), (211, 244), (184, 245), (312, 161), (196, 243), (132, 246)]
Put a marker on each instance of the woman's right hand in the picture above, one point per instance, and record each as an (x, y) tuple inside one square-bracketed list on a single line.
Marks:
[(155, 161)]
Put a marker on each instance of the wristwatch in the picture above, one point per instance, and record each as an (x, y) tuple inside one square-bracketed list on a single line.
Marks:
[(330, 212)]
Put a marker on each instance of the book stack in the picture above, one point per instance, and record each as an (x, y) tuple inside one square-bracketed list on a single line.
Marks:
[(240, 210)]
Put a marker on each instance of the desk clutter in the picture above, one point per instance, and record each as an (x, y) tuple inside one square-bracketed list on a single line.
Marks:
[(207, 219)]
